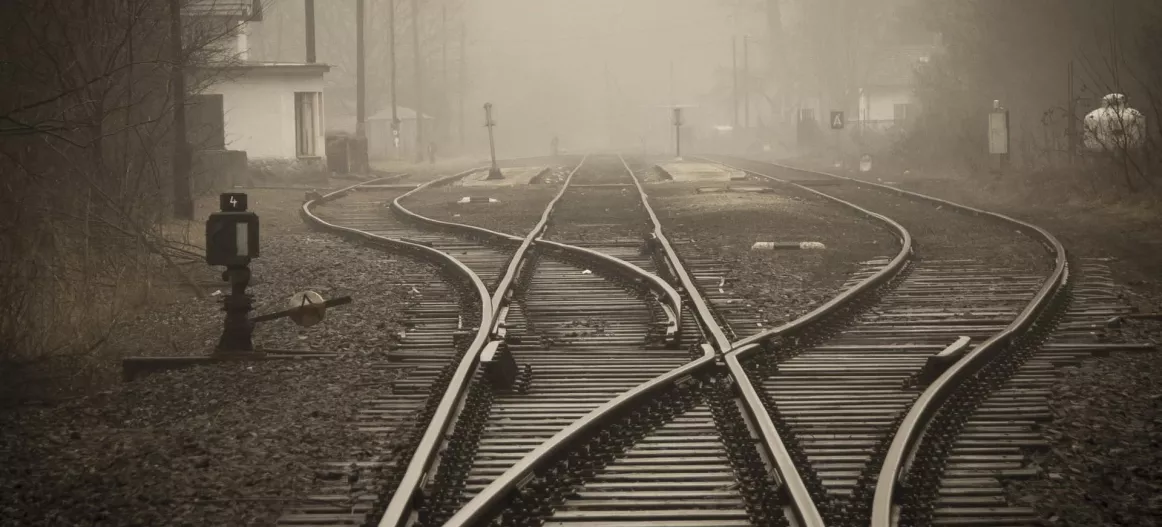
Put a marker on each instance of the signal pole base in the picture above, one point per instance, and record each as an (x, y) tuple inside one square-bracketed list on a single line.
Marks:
[(494, 174)]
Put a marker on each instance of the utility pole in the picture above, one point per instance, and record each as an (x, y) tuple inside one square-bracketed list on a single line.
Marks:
[(672, 102), (746, 81), (608, 107), (463, 79), (445, 123), (183, 203), (391, 54), (1071, 116), (310, 16), (734, 81), (494, 170), (360, 74), (419, 82)]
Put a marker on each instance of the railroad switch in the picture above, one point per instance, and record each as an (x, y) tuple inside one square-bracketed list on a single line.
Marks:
[(500, 366), (232, 236)]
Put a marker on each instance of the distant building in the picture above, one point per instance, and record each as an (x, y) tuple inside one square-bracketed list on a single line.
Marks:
[(887, 94), (379, 139), (271, 110)]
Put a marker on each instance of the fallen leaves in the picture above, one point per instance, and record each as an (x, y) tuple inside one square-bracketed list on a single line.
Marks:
[(1105, 461)]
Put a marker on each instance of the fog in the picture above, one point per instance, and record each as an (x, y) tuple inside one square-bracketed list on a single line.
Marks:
[(597, 73)]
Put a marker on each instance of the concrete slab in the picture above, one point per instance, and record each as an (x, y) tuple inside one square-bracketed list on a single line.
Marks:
[(700, 172), (512, 176)]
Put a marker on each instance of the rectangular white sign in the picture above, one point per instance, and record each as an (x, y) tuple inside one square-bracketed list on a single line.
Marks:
[(998, 133)]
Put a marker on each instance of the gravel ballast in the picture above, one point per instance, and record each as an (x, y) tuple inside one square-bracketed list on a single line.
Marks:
[(1105, 435), (782, 284), (227, 444), (516, 212), (1104, 465)]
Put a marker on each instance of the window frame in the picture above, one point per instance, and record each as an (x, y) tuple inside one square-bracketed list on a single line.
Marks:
[(307, 126)]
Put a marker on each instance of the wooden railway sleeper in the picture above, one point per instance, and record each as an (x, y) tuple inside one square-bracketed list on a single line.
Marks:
[(920, 481), (760, 485)]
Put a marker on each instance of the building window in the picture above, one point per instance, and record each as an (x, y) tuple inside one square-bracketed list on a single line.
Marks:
[(307, 123), (902, 112)]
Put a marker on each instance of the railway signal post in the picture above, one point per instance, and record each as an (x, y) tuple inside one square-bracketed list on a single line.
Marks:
[(494, 170), (999, 137), (232, 241), (837, 123), (678, 133)]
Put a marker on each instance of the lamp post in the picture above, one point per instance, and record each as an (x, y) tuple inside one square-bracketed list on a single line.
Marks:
[(494, 171)]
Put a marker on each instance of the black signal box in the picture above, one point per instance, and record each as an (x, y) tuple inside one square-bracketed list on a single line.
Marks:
[(232, 235)]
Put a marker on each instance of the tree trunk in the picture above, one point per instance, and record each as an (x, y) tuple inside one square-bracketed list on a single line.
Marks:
[(183, 204)]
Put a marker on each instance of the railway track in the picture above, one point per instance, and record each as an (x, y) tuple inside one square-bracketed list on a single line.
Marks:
[(610, 388), (964, 419)]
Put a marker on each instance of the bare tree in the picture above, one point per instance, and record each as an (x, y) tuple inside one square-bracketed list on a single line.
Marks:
[(87, 122)]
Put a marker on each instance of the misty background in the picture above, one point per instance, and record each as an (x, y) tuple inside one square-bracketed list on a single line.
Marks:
[(96, 161), (596, 74)]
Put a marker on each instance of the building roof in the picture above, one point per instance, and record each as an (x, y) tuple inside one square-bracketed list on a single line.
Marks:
[(230, 8), (270, 67), (896, 66)]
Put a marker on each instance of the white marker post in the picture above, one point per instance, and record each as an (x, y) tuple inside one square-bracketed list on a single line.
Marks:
[(999, 137)]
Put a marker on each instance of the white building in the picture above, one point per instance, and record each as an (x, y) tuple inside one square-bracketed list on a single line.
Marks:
[(271, 110), (887, 94), (380, 144)]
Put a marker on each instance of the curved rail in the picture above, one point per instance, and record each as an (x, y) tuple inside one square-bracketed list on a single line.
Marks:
[(893, 268), (489, 502), (797, 491), (909, 435), (701, 308), (673, 304), (398, 208), (444, 412), (399, 510)]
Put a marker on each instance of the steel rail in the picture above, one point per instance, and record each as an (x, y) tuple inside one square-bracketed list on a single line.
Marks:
[(803, 505), (909, 435), (701, 308), (490, 500), (886, 273), (673, 304), (422, 459), (400, 508), (659, 286)]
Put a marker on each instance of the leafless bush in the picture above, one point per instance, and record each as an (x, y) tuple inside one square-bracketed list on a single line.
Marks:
[(86, 139), (1021, 54)]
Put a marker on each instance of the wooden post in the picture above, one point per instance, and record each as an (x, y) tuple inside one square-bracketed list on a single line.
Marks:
[(360, 74), (391, 55), (419, 80), (746, 81), (734, 81), (309, 6)]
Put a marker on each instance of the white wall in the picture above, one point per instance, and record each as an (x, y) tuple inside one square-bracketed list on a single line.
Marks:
[(878, 104), (260, 113)]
